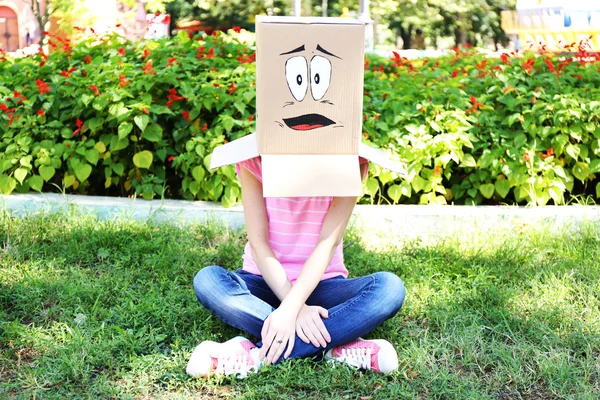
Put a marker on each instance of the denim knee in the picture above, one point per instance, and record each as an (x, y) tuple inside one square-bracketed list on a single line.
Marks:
[(205, 282), (392, 292)]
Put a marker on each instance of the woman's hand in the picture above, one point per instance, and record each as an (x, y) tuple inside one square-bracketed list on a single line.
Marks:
[(310, 327), (278, 331)]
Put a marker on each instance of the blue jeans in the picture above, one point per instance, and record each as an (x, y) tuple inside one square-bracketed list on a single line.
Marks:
[(356, 306)]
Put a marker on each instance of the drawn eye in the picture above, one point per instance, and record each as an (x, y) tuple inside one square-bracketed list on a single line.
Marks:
[(296, 75), (320, 73)]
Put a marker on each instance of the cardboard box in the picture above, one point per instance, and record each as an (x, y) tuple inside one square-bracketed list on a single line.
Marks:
[(309, 97)]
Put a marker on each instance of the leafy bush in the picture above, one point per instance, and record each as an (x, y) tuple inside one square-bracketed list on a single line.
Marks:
[(477, 130), (110, 117), (118, 118)]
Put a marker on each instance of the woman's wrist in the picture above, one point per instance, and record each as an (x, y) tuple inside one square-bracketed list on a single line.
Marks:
[(292, 306)]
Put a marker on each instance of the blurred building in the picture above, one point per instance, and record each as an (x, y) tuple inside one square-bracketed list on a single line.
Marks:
[(18, 26), (554, 23)]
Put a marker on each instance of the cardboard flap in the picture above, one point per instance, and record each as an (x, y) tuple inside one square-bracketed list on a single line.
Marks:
[(233, 152), (311, 175), (380, 158)]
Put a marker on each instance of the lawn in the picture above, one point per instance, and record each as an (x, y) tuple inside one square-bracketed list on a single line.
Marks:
[(101, 309)]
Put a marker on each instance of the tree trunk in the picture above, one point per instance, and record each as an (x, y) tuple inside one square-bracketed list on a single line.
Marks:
[(324, 6), (40, 16), (406, 35), (460, 34)]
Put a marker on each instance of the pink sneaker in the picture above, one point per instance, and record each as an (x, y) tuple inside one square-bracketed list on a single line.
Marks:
[(236, 356), (378, 355)]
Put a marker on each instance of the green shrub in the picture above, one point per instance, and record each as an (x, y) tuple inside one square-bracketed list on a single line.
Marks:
[(124, 118), (477, 130)]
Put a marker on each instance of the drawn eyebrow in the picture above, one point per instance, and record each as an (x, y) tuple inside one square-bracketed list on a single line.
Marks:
[(322, 50), (301, 48)]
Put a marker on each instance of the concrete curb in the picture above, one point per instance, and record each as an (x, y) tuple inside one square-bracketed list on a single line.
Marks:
[(402, 220)]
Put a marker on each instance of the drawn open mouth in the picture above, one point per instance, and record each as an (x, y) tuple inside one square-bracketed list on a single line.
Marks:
[(307, 122)]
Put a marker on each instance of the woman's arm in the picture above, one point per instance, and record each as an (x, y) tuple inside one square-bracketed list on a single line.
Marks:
[(257, 228), (331, 234), (277, 332)]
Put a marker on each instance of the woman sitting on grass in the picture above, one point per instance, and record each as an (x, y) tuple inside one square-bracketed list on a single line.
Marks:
[(292, 291)]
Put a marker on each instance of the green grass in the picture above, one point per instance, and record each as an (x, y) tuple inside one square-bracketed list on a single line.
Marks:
[(96, 309)]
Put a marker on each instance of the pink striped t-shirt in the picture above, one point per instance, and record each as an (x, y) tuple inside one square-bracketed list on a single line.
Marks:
[(294, 227)]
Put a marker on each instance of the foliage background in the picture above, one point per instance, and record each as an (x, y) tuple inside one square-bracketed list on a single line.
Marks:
[(122, 118), (474, 21)]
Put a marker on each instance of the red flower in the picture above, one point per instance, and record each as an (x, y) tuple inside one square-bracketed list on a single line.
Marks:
[(42, 86), (171, 60), (376, 117), (232, 88), (215, 84), (504, 57), (454, 73), (578, 77), (526, 157), (384, 96), (236, 29), (528, 65), (170, 158), (247, 59), (205, 126), (365, 135), (121, 51), (145, 110), (366, 117), (550, 152), (251, 118), (550, 65), (475, 104), (186, 115), (41, 113), (95, 89), (173, 97), (80, 127), (146, 53), (122, 80), (87, 59), (533, 100), (148, 68), (437, 171), (211, 52)]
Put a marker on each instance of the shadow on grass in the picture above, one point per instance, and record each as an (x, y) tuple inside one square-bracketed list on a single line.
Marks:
[(92, 308)]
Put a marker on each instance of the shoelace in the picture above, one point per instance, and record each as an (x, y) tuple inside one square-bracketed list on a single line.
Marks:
[(357, 357), (237, 363)]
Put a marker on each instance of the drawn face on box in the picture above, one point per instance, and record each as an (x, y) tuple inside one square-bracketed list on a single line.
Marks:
[(310, 88)]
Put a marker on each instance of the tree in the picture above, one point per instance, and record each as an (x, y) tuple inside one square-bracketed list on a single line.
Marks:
[(64, 10), (225, 13), (67, 12)]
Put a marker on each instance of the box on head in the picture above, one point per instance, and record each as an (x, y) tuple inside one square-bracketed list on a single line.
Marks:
[(309, 98)]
